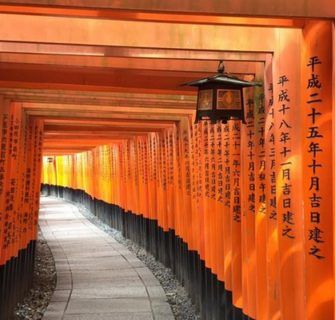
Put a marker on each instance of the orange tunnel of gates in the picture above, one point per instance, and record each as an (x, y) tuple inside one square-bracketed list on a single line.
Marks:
[(242, 213), (253, 202)]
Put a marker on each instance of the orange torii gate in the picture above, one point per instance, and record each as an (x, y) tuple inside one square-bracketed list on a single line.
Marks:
[(243, 214), (255, 171)]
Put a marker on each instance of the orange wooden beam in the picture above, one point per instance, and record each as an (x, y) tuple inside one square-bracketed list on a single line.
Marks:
[(275, 8), (126, 63), (153, 17), (84, 31), (129, 52)]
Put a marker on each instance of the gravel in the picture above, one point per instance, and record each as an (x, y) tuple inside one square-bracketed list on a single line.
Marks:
[(179, 301), (44, 283)]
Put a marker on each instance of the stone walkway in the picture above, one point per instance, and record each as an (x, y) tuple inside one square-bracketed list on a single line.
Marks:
[(97, 278)]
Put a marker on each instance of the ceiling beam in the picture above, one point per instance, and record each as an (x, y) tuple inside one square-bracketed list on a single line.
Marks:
[(78, 110), (126, 63), (45, 114), (274, 8), (86, 31), (130, 52), (126, 15), (98, 98)]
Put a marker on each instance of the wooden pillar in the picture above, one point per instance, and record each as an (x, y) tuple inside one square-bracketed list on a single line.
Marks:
[(272, 247), (287, 106), (333, 130), (4, 141), (235, 211), (317, 143), (248, 198)]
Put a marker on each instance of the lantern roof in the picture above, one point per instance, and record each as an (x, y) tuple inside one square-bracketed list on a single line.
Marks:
[(222, 79)]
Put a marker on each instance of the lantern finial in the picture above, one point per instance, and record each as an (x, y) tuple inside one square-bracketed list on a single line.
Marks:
[(221, 67)]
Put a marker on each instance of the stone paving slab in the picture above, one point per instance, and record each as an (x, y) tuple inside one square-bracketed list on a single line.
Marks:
[(114, 316), (110, 293), (97, 278), (121, 305)]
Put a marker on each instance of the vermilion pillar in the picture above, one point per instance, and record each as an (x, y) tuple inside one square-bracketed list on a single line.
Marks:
[(317, 143), (287, 108)]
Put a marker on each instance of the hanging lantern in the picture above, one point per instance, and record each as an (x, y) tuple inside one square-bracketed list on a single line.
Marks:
[(220, 97)]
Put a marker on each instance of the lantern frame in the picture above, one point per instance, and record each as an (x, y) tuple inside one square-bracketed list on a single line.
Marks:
[(211, 90)]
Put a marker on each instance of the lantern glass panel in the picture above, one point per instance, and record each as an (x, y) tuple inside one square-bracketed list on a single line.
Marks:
[(205, 99), (229, 99)]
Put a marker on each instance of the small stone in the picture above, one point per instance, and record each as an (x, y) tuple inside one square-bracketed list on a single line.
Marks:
[(44, 283)]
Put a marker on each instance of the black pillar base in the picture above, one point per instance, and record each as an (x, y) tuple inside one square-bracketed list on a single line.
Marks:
[(15, 280)]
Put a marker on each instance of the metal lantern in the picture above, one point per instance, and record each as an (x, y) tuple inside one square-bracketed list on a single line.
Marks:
[(220, 97)]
